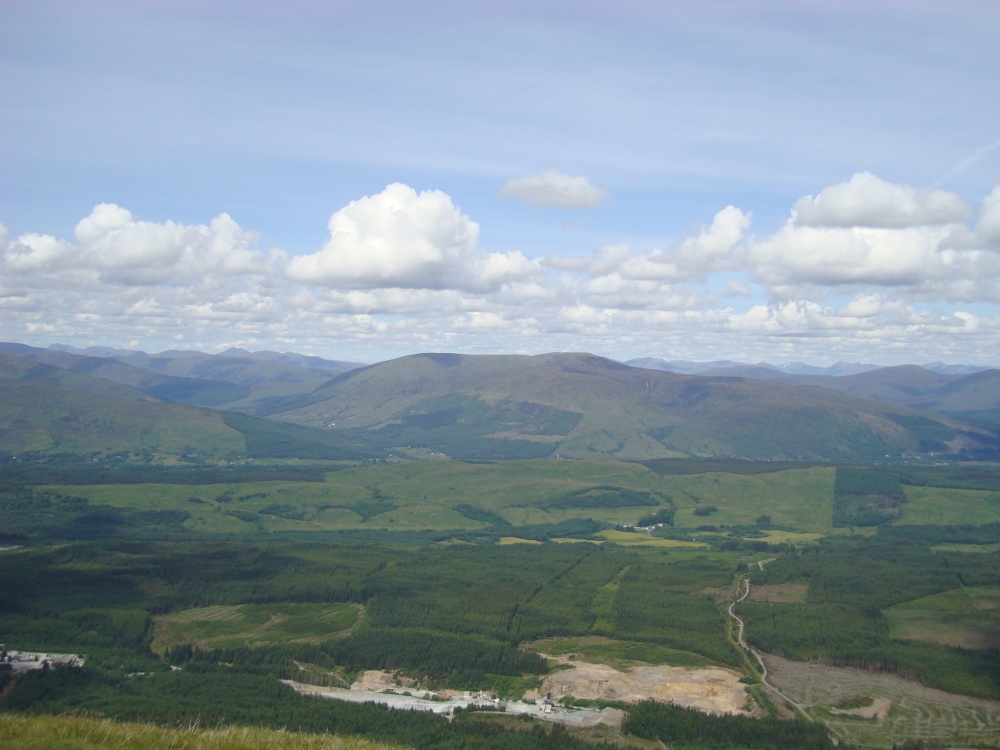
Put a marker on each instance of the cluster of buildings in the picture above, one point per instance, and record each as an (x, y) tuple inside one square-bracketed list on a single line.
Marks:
[(21, 661)]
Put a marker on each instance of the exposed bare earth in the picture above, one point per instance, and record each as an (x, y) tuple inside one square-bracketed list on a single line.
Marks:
[(377, 680), (902, 709), (879, 709), (784, 593), (711, 689)]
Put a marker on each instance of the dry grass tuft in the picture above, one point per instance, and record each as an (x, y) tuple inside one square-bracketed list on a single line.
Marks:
[(19, 732)]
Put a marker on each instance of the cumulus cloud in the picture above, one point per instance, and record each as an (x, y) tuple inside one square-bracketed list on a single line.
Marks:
[(600, 262), (403, 271), (988, 226), (868, 233), (713, 249), (823, 255), (553, 188), (402, 238), (867, 201), (113, 245), (33, 252)]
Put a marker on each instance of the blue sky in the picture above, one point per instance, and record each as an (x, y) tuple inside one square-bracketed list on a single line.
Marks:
[(770, 181)]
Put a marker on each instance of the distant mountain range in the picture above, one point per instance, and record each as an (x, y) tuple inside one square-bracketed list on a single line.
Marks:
[(789, 368), (57, 403), (961, 391), (103, 401), (235, 379)]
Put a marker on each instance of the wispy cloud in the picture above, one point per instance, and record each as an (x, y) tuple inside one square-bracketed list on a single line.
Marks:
[(553, 188), (977, 157)]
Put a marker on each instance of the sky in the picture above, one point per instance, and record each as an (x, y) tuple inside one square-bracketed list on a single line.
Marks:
[(769, 181)]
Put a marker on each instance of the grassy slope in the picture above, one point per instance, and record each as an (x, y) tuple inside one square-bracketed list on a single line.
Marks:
[(964, 617), (83, 733), (42, 416), (936, 505), (14, 368), (48, 410), (198, 391)]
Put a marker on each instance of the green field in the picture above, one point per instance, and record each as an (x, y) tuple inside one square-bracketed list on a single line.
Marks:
[(936, 505), (227, 626), (641, 539), (962, 617), (430, 495), (800, 499)]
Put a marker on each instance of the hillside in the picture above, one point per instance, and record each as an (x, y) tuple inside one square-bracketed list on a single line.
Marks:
[(973, 396), (480, 407), (236, 379), (581, 405), (39, 417), (53, 411)]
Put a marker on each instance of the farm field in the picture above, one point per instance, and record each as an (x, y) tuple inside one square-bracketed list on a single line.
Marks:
[(641, 539), (800, 499), (431, 496), (223, 626), (939, 505), (962, 617)]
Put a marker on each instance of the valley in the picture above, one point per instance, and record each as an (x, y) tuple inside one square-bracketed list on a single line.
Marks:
[(222, 567)]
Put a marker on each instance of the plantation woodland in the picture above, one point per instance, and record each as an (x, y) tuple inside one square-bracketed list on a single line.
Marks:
[(193, 592)]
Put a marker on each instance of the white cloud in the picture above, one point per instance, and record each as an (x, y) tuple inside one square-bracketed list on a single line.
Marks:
[(553, 188), (867, 201), (401, 238), (124, 251), (988, 226), (34, 252), (403, 272), (103, 220), (900, 237), (713, 249), (601, 261), (824, 255)]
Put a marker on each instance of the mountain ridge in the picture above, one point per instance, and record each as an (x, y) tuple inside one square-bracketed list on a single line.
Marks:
[(622, 411), (559, 404)]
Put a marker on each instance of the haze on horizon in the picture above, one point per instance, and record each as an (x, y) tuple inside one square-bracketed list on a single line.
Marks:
[(773, 181)]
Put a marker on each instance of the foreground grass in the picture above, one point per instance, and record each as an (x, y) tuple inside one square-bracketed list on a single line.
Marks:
[(19, 732)]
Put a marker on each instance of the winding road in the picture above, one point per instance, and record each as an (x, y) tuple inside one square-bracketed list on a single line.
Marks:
[(756, 655)]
